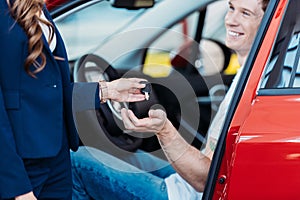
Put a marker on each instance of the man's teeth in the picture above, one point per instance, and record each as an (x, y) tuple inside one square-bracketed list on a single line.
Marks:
[(234, 34)]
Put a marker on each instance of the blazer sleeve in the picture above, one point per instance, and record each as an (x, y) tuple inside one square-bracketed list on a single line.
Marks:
[(85, 96), (13, 177)]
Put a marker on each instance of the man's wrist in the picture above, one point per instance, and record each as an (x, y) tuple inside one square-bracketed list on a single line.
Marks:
[(167, 133)]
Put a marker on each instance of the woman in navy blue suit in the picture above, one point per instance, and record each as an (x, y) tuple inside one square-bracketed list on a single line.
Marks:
[(36, 97)]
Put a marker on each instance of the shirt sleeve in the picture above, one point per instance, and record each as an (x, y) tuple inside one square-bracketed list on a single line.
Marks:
[(179, 189)]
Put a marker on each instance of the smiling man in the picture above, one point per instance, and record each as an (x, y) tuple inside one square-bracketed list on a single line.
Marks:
[(242, 21)]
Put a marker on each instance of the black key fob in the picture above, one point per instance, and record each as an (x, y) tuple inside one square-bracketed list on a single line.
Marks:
[(147, 89)]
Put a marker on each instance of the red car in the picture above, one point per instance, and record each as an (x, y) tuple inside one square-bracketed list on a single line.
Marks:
[(258, 154), (52, 4)]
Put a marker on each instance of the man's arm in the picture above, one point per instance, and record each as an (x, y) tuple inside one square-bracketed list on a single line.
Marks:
[(188, 161)]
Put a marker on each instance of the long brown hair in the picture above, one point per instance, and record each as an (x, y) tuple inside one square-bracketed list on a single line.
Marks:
[(27, 14)]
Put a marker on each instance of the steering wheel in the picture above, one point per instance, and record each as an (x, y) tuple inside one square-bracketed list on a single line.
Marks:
[(92, 68)]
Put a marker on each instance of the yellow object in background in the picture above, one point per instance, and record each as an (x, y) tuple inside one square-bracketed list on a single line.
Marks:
[(233, 65), (157, 64)]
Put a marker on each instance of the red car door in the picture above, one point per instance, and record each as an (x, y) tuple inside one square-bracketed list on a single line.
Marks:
[(258, 154)]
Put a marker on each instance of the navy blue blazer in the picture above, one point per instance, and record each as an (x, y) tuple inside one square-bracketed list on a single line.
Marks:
[(34, 112)]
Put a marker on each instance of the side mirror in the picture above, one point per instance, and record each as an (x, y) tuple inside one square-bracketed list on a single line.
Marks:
[(132, 4)]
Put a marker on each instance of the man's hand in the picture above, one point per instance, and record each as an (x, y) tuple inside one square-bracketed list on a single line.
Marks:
[(154, 123)]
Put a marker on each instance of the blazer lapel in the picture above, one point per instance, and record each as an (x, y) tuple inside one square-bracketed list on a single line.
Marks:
[(60, 51)]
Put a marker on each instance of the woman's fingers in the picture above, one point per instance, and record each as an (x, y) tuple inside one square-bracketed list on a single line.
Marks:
[(136, 82), (135, 97)]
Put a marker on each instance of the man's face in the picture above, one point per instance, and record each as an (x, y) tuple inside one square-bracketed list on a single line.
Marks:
[(242, 21)]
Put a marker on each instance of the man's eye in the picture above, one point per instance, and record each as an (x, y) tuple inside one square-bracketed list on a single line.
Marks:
[(231, 8), (247, 14)]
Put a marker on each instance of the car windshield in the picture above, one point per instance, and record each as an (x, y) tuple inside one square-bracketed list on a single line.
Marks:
[(88, 26), (82, 31)]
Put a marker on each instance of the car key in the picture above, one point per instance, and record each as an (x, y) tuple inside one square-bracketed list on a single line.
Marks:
[(147, 89)]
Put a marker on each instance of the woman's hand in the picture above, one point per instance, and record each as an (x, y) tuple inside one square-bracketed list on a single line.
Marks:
[(126, 90), (27, 196), (155, 123)]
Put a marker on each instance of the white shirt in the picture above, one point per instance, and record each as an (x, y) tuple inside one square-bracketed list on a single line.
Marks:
[(47, 33), (177, 187)]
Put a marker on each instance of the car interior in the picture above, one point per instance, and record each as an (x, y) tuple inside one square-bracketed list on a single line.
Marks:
[(102, 128), (188, 70)]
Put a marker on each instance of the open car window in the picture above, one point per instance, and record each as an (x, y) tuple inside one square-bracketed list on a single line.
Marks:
[(283, 68)]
